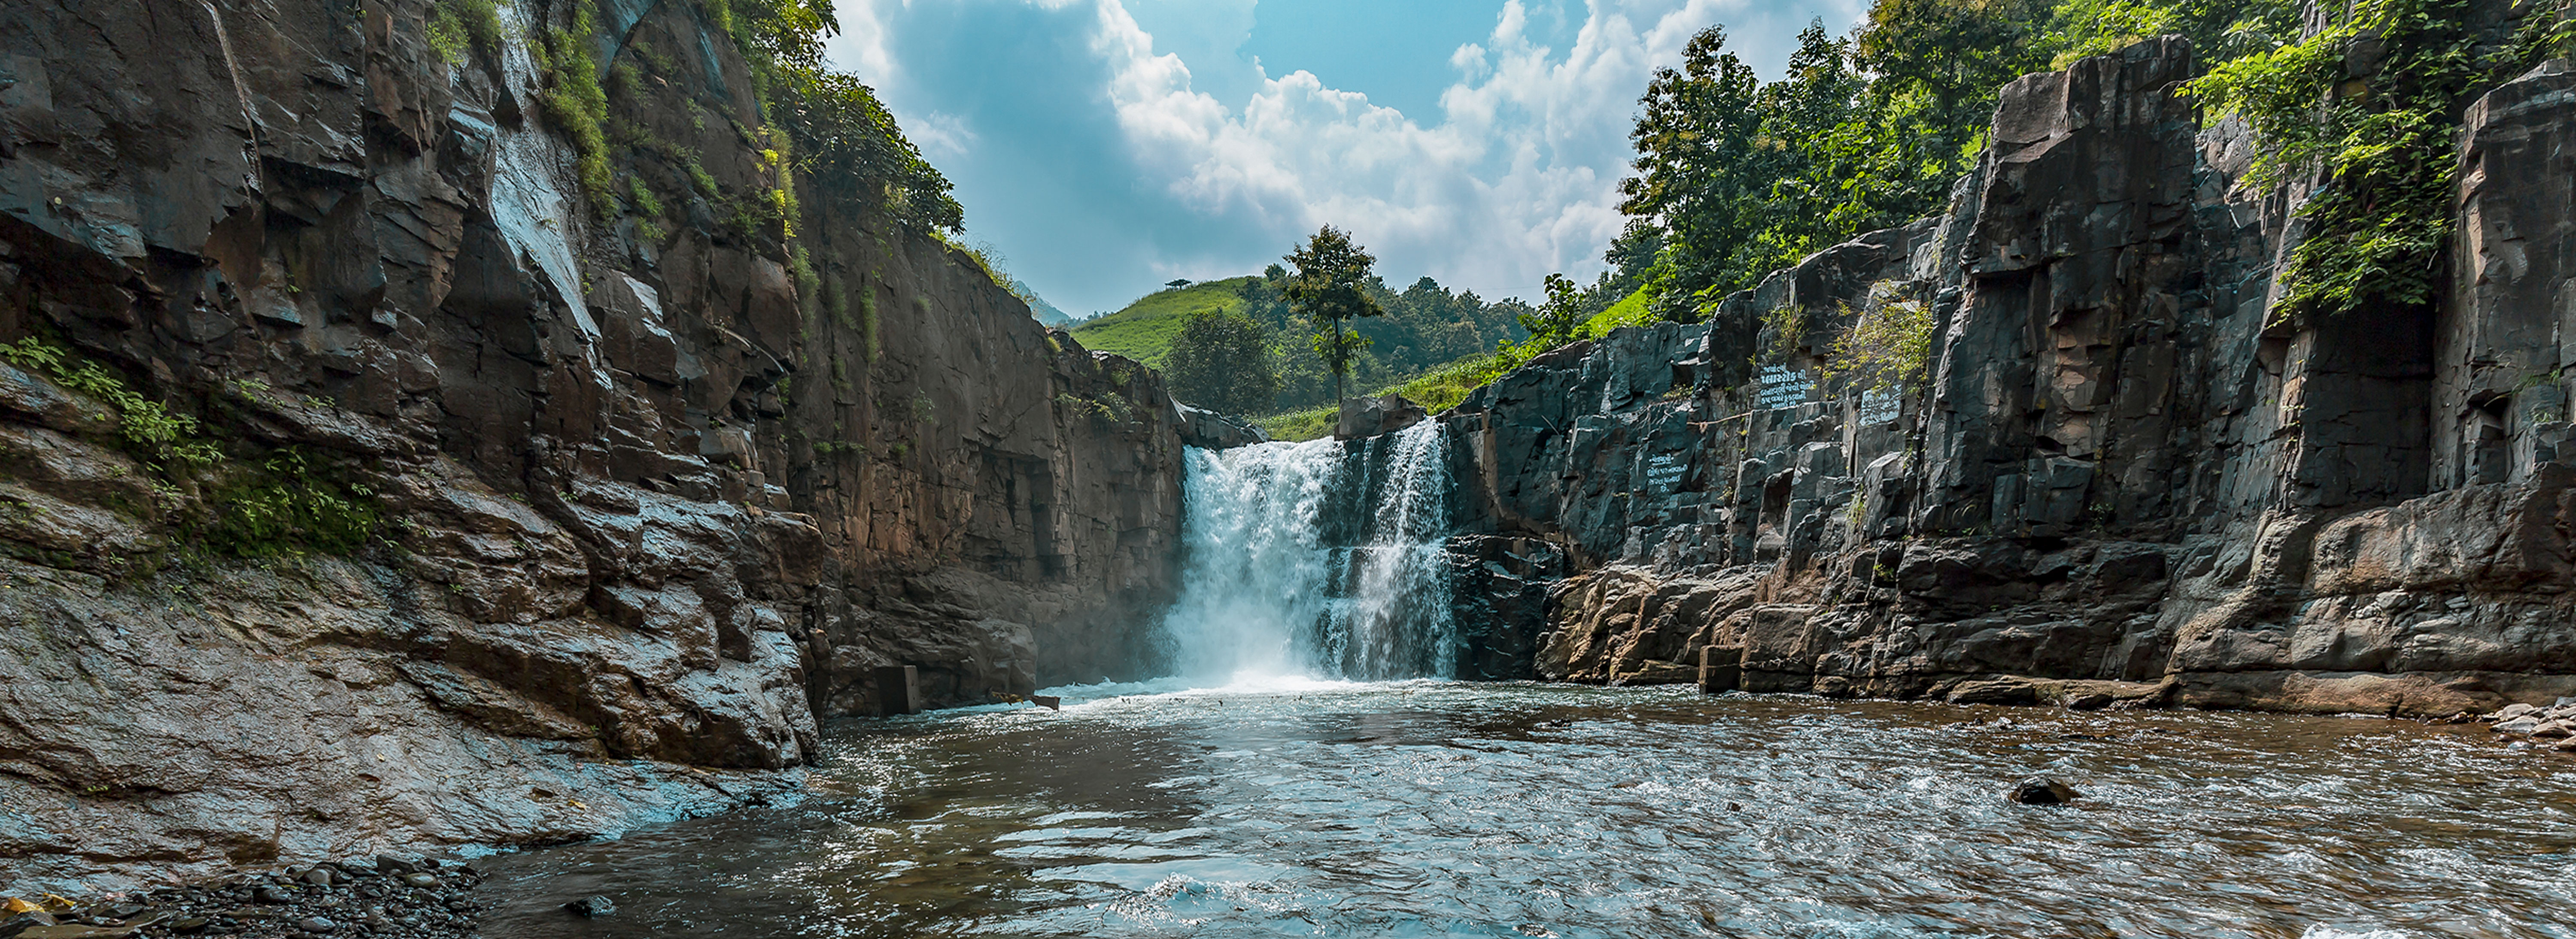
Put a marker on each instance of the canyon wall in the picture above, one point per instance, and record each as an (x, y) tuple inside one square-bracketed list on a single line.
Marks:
[(2121, 478), (375, 475)]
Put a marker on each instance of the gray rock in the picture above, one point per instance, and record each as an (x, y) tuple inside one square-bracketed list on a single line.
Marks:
[(273, 895), (2510, 712), (592, 907), (2041, 791), (1214, 431), (1369, 417), (1994, 691), (421, 880), (317, 876), (20, 922), (2519, 725), (316, 924)]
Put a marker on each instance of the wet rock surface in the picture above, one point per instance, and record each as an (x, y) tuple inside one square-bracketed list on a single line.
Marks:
[(2120, 482), (2041, 791)]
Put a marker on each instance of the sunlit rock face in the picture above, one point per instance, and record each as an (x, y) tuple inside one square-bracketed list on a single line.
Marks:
[(654, 492), (2117, 477)]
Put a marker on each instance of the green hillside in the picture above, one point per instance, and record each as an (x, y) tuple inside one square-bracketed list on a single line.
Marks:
[(1144, 330), (1442, 387)]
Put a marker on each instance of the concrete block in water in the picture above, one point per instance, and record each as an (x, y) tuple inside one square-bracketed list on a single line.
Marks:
[(1721, 668), (898, 689)]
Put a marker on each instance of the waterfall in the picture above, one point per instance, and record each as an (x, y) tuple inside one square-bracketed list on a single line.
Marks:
[(1320, 558)]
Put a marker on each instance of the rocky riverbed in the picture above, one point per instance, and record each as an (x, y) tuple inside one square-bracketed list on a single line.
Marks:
[(389, 896)]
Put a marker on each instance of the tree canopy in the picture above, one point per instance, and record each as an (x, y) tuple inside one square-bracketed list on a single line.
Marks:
[(1329, 289), (1221, 361)]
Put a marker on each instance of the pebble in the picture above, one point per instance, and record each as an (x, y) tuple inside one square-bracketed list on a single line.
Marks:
[(315, 902)]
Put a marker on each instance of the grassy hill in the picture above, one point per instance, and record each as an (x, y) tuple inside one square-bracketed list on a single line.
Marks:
[(1145, 329), (1444, 386)]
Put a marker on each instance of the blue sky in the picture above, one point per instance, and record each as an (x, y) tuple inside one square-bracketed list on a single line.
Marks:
[(1102, 147)]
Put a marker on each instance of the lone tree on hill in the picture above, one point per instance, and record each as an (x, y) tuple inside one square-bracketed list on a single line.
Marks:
[(1328, 290)]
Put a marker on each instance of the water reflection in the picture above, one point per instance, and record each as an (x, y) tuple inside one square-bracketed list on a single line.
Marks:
[(1427, 809)]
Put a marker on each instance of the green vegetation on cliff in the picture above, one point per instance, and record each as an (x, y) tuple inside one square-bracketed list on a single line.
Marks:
[(2368, 109), (1737, 177), (221, 495)]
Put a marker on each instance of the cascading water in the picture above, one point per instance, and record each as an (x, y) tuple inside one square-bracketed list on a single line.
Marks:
[(1317, 558)]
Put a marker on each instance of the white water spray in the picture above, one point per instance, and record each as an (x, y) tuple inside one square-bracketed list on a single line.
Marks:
[(1317, 559)]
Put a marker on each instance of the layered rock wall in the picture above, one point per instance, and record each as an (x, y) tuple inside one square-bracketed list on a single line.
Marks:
[(655, 478), (2120, 478)]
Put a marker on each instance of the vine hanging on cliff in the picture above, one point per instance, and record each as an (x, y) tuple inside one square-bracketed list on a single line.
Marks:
[(2366, 109)]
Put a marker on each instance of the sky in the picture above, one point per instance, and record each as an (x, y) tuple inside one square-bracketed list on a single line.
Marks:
[(1104, 147)]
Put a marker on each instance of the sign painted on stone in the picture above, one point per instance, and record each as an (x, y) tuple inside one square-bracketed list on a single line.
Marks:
[(1782, 387), (1664, 471), (1879, 407)]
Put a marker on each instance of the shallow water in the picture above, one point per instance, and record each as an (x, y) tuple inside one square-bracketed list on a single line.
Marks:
[(1446, 809)]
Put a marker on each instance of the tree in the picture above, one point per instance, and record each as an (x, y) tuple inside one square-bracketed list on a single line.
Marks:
[(1330, 288), (1221, 361), (1701, 168), (1554, 323)]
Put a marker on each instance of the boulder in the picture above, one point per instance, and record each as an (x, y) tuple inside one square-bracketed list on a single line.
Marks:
[(1369, 417), (2041, 791), (1213, 431), (2509, 712), (592, 907), (1994, 691)]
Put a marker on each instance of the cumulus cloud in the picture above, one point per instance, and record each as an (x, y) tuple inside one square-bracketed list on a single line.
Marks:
[(1514, 178)]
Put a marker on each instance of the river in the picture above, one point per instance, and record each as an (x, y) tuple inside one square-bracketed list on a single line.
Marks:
[(1247, 801), (1426, 808)]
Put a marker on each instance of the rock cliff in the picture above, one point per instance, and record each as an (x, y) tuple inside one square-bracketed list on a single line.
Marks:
[(372, 477), (2120, 479)]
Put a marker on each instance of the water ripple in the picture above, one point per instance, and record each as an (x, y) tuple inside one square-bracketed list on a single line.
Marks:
[(1436, 809)]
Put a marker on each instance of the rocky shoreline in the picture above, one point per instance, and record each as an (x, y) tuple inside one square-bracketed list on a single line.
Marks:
[(2553, 727), (387, 896)]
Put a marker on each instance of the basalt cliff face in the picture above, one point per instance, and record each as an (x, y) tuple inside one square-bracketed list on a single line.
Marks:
[(2121, 479), (644, 493)]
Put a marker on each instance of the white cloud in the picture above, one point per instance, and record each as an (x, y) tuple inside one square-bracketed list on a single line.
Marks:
[(942, 135), (1518, 181), (1517, 176)]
